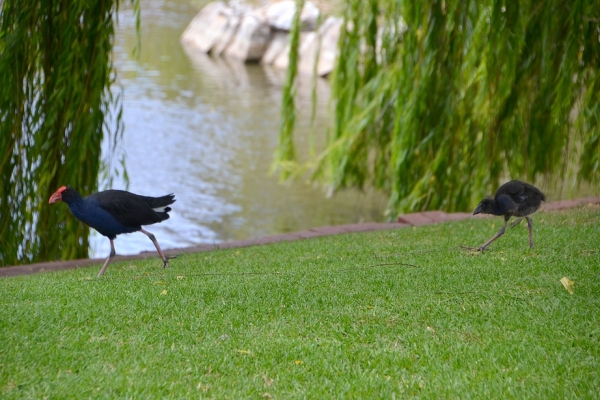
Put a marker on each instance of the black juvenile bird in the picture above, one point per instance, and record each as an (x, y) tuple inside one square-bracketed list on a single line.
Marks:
[(114, 212), (514, 198)]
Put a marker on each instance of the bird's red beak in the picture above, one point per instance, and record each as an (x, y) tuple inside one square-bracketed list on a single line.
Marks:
[(57, 196)]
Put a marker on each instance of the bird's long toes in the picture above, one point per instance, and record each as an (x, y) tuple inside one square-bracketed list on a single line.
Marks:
[(468, 248), (166, 260)]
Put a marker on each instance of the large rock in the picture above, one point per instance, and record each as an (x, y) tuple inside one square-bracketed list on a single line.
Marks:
[(280, 15), (229, 34), (282, 61), (307, 53), (278, 45), (322, 43), (239, 31), (251, 39), (207, 27), (328, 52)]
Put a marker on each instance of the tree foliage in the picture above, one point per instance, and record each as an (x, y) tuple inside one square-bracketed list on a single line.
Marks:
[(55, 108), (434, 102), (286, 149)]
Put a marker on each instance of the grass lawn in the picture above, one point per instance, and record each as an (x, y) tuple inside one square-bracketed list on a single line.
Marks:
[(395, 314)]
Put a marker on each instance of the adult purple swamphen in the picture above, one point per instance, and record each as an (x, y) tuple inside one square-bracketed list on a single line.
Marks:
[(514, 198), (113, 212)]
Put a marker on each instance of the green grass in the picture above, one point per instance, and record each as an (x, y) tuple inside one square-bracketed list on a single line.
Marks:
[(402, 313)]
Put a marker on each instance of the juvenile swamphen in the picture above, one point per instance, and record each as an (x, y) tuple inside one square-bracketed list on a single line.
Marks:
[(113, 212), (514, 198)]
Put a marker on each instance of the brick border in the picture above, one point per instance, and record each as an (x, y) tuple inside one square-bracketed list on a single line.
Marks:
[(413, 219)]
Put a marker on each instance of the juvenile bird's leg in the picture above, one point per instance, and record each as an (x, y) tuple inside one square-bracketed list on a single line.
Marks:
[(109, 259), (530, 226), (160, 252), (496, 236)]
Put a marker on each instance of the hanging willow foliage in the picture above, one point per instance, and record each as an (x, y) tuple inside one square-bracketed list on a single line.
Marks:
[(434, 102), (286, 149), (55, 106)]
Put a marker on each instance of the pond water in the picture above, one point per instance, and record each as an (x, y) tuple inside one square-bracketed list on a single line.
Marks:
[(206, 129)]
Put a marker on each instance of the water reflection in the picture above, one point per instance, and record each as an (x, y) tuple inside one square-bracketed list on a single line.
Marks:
[(206, 129)]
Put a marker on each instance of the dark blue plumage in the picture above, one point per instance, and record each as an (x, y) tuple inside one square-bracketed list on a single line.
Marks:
[(514, 198), (114, 212)]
